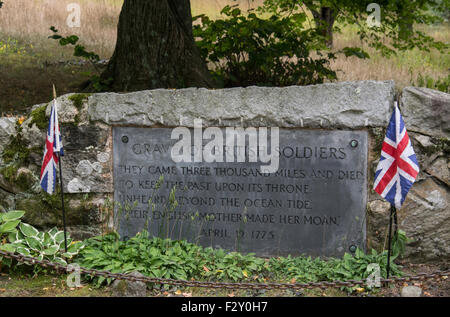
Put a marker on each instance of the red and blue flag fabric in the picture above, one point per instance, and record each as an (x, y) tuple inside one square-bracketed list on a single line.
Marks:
[(398, 166), (53, 147)]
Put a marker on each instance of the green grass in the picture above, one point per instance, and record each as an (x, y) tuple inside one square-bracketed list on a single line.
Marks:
[(44, 285), (29, 60)]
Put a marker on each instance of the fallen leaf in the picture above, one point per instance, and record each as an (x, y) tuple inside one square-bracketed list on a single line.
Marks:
[(45, 289), (2, 290), (231, 295), (166, 293), (360, 289), (205, 269), (293, 280), (445, 277), (187, 294), (244, 272), (178, 292)]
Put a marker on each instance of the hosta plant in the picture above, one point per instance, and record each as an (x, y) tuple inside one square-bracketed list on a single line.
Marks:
[(9, 222), (48, 245)]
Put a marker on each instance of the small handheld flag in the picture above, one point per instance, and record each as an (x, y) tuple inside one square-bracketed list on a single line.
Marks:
[(398, 167), (52, 156), (53, 149)]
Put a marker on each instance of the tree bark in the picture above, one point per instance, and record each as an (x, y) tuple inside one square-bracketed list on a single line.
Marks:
[(155, 48), (324, 21)]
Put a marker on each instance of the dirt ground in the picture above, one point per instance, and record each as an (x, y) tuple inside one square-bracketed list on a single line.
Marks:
[(18, 93), (48, 285)]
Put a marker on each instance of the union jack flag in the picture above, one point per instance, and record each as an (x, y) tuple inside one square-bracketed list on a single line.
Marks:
[(53, 147), (398, 167)]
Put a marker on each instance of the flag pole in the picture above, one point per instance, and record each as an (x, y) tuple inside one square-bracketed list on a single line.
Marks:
[(62, 203), (388, 266), (62, 186)]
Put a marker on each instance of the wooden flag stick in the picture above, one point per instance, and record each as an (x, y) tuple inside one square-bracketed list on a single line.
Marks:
[(61, 185), (388, 266), (62, 203)]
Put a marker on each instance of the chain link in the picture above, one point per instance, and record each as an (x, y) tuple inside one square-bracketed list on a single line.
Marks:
[(222, 285)]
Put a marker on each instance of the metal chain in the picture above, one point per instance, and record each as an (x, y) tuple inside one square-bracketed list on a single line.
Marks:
[(222, 285)]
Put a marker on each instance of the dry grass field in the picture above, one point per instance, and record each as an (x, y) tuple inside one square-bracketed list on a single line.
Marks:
[(29, 60)]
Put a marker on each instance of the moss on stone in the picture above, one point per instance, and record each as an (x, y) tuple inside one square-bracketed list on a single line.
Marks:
[(76, 120), (16, 150), (39, 118), (9, 172), (44, 210), (378, 135), (439, 145), (24, 181), (78, 100)]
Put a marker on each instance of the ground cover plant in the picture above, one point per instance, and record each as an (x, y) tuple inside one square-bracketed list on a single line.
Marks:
[(178, 259), (24, 239)]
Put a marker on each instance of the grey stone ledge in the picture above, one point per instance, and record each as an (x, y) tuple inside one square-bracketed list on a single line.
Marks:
[(343, 105)]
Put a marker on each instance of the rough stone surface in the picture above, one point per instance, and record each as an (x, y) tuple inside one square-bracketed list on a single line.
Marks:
[(87, 138), (377, 222), (7, 201), (425, 217), (129, 288), (67, 111), (8, 186), (439, 169), (411, 291), (87, 165), (426, 110), (7, 129), (340, 105), (34, 137), (424, 141)]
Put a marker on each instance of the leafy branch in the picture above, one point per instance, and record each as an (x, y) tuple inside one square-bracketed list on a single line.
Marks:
[(98, 83)]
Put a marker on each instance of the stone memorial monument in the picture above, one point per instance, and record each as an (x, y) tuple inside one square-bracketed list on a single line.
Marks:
[(270, 170)]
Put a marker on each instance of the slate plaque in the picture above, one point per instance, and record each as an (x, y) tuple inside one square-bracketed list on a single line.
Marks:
[(314, 204)]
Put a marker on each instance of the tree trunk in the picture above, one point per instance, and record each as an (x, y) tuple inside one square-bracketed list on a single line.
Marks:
[(155, 48), (405, 24), (324, 21)]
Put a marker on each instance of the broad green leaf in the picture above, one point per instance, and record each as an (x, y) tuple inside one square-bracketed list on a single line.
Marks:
[(12, 237), (53, 231), (75, 247), (59, 237), (48, 239), (8, 248), (9, 226), (51, 250), (23, 251), (34, 243), (60, 261), (13, 215), (28, 230)]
